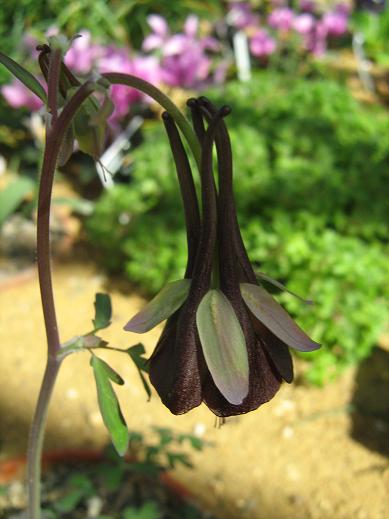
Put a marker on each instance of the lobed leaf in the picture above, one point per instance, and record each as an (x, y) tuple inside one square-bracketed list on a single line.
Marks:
[(103, 311), (224, 346), (24, 76), (164, 304), (275, 318), (109, 404), (136, 353)]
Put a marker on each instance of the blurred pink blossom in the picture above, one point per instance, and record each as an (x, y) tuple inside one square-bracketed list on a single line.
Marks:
[(336, 22), (261, 44), (304, 23), (82, 55), (281, 18), (120, 60), (183, 58), (308, 6), (241, 16), (316, 41), (18, 96)]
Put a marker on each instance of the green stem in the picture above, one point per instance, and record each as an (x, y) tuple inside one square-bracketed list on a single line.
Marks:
[(36, 439), (117, 78)]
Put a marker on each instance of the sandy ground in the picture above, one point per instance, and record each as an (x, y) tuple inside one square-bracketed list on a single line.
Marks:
[(303, 455)]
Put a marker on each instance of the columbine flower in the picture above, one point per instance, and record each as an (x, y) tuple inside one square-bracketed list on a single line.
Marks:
[(226, 339)]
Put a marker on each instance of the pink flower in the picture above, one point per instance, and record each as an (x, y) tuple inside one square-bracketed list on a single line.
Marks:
[(119, 60), (308, 6), (241, 16), (281, 18), (261, 44), (304, 23), (336, 22), (316, 41), (18, 96), (159, 35), (183, 58), (82, 55)]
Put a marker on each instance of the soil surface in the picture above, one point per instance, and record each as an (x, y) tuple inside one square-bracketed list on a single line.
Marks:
[(309, 453)]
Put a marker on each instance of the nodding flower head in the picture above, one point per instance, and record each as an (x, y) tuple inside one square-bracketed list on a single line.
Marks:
[(225, 341)]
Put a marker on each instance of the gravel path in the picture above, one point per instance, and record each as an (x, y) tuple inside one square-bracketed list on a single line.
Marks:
[(294, 458)]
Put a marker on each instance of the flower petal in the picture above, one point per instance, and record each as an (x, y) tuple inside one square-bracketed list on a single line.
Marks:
[(158, 24), (282, 287), (191, 25), (275, 318), (224, 346), (152, 42), (164, 304)]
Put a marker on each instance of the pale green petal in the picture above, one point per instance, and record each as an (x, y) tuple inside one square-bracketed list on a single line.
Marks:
[(164, 304), (224, 346), (266, 309)]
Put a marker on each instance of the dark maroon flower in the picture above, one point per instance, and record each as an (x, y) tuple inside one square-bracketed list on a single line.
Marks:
[(226, 339)]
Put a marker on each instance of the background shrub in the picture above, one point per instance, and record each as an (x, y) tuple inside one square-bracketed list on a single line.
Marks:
[(312, 186)]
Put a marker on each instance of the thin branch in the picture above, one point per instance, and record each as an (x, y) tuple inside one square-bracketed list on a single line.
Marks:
[(149, 89)]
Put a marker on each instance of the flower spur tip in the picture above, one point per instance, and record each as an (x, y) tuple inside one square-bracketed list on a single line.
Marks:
[(225, 110)]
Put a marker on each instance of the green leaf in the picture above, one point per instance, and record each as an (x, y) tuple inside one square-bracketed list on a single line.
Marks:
[(148, 510), (224, 346), (164, 304), (79, 205), (90, 124), (24, 76), (175, 459), (109, 405), (103, 311), (136, 352), (66, 147), (80, 487), (275, 318), (13, 194)]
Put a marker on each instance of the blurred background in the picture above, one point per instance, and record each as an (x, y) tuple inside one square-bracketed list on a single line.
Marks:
[(308, 83)]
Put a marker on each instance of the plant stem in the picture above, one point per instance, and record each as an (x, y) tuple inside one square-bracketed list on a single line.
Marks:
[(54, 138), (164, 101), (36, 437)]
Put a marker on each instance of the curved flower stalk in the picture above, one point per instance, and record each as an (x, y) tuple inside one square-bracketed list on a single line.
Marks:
[(226, 339)]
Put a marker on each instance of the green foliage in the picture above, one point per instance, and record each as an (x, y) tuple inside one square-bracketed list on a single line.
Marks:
[(375, 29), (126, 487), (136, 353), (24, 76), (13, 195), (109, 404), (312, 187), (79, 487), (120, 21), (103, 311), (147, 511)]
